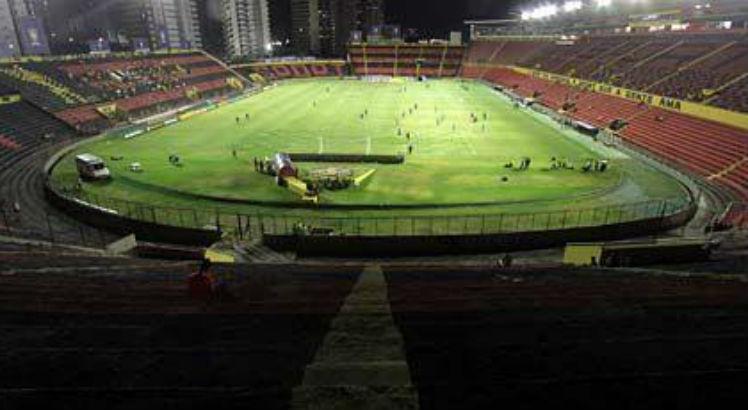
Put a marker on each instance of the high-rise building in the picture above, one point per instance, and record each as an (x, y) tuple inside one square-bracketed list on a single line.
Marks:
[(21, 31), (305, 27), (210, 16), (246, 28), (370, 15), (71, 24), (324, 27), (189, 23), (9, 46), (280, 25), (162, 23)]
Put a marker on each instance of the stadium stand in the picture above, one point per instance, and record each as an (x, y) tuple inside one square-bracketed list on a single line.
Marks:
[(617, 73), (7, 91), (707, 72), (22, 125), (734, 97), (282, 70), (75, 90), (661, 66), (584, 57), (126, 78), (704, 67), (407, 60), (513, 52), (461, 326), (40, 89)]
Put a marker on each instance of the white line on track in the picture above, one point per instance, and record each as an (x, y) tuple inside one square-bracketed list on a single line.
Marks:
[(368, 145), (321, 145)]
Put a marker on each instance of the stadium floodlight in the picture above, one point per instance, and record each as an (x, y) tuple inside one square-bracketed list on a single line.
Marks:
[(572, 6), (549, 10), (544, 11)]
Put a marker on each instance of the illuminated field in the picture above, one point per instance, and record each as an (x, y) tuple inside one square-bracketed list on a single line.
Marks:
[(456, 167)]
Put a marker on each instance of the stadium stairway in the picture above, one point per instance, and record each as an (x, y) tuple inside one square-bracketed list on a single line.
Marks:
[(94, 331)]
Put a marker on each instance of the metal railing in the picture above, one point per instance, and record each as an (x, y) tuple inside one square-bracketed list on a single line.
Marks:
[(247, 225)]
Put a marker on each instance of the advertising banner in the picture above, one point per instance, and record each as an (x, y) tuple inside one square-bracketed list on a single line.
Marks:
[(33, 36), (703, 111)]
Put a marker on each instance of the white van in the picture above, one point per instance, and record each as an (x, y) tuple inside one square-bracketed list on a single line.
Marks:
[(91, 167)]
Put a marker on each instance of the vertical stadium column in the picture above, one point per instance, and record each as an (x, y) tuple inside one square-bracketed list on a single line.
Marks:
[(420, 58), (489, 63), (394, 67), (444, 56), (366, 60)]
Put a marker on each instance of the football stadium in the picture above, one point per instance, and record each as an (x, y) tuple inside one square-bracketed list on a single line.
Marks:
[(310, 204)]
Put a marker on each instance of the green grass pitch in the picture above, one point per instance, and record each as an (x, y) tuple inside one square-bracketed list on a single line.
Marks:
[(454, 160)]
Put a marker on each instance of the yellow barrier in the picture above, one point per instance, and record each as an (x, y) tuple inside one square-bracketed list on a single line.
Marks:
[(107, 110), (190, 114), (257, 78), (216, 256), (10, 99), (582, 254), (363, 178), (235, 83), (702, 111), (586, 254), (298, 187)]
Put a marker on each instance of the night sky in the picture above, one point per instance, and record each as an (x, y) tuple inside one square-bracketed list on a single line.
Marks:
[(431, 18), (437, 17)]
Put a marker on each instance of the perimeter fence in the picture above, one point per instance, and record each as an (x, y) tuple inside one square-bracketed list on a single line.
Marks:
[(245, 225)]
